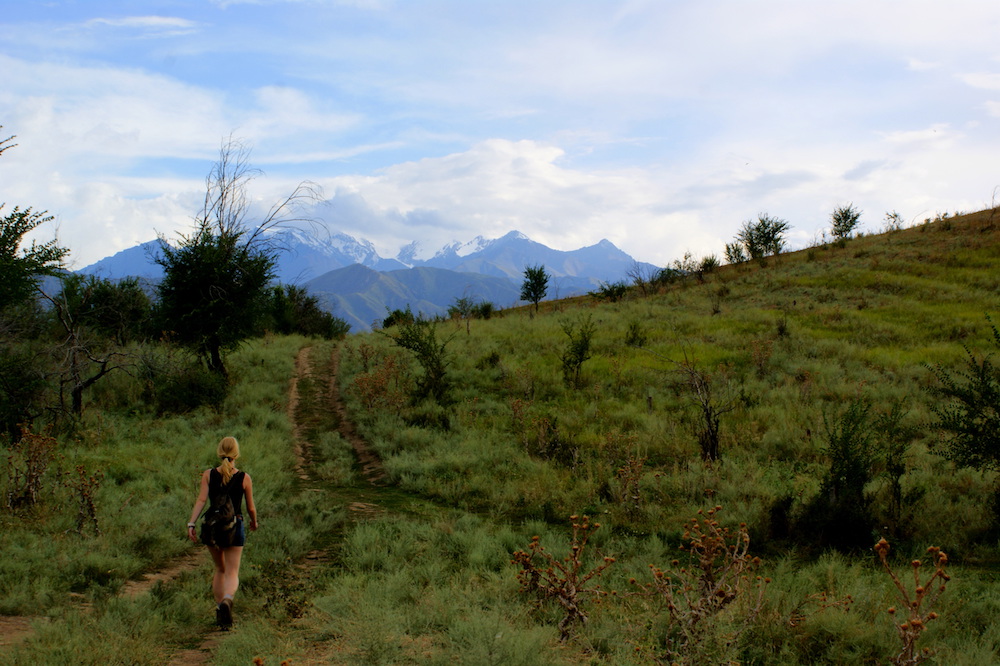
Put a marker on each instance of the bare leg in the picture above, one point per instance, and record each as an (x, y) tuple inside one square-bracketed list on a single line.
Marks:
[(219, 578), (231, 570)]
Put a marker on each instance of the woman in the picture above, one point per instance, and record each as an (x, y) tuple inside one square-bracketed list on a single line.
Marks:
[(239, 486)]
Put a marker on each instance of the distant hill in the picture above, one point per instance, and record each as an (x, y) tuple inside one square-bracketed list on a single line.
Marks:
[(361, 295), (138, 261)]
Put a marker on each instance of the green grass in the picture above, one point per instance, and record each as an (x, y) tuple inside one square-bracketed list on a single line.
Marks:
[(426, 576)]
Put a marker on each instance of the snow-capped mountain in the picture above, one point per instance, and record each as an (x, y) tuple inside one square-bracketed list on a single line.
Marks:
[(479, 268)]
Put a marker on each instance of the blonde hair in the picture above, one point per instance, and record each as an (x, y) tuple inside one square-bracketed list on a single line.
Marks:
[(229, 450)]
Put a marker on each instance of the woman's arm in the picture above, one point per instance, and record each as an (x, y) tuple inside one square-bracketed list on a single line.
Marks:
[(199, 504), (248, 497)]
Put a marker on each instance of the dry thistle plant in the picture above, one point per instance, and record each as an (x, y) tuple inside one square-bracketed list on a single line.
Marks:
[(564, 581), (918, 605), (630, 475), (719, 574), (85, 489), (26, 466)]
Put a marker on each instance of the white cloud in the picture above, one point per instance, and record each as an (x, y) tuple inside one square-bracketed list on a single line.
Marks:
[(938, 133), (982, 80), (163, 25)]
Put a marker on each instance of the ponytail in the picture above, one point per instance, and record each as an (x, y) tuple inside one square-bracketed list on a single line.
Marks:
[(229, 450)]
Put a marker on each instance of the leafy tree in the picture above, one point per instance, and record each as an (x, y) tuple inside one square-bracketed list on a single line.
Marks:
[(22, 385), (215, 286), (535, 285), (293, 310), (463, 308), (968, 414), (20, 267), (844, 220), (118, 310), (213, 293)]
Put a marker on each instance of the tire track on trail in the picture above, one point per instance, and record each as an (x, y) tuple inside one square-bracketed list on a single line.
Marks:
[(371, 465)]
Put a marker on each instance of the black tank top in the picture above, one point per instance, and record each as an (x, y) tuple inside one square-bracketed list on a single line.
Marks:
[(235, 488)]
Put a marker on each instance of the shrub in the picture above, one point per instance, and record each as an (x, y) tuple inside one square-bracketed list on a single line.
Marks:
[(27, 462), (577, 350), (419, 336), (843, 221), (84, 489), (708, 264), (736, 253), (383, 386), (635, 334), (967, 414), (484, 310), (893, 222), (183, 389), (839, 515), (611, 291), (397, 317)]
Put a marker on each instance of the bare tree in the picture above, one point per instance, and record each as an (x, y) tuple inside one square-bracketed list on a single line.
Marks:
[(83, 359), (642, 276), (227, 205), (711, 400), (215, 284)]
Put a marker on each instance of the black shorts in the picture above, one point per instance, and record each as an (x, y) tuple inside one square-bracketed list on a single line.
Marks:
[(241, 533)]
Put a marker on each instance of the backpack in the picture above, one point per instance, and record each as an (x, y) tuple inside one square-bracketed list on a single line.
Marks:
[(218, 528)]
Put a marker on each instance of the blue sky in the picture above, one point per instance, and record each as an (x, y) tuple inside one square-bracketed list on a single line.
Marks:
[(659, 125)]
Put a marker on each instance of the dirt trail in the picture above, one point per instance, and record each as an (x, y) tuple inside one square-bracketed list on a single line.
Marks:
[(14, 629)]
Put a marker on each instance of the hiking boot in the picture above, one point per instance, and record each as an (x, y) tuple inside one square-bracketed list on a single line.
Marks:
[(224, 614)]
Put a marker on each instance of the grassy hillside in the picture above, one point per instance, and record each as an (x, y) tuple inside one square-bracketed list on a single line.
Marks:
[(785, 349), (793, 354)]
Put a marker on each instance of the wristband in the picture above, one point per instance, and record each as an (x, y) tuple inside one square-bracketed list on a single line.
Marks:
[(191, 525)]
